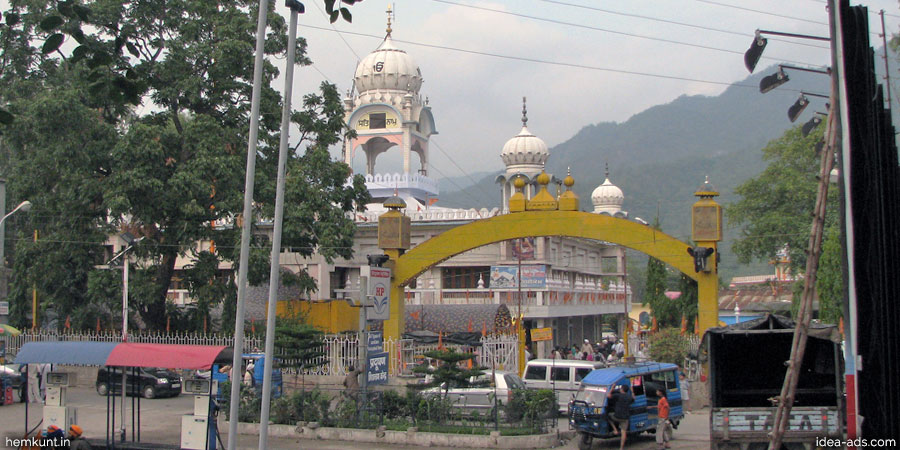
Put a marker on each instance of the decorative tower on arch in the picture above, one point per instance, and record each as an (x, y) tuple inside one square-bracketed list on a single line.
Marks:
[(524, 156), (388, 114), (608, 198)]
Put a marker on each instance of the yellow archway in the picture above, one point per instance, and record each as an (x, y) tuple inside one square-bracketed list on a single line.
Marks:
[(550, 223)]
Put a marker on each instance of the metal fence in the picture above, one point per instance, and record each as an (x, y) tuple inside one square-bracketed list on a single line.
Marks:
[(427, 410), (340, 351)]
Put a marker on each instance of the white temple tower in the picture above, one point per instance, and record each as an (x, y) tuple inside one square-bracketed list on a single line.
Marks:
[(388, 114)]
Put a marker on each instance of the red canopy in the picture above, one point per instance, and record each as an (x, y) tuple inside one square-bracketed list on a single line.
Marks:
[(169, 356)]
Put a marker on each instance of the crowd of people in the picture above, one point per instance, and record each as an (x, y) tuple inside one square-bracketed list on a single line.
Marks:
[(608, 349)]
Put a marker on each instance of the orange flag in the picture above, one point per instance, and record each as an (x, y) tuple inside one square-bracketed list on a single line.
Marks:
[(469, 328), (252, 326), (483, 329), (697, 325), (168, 323), (68, 323), (98, 324), (655, 326), (683, 325), (440, 340)]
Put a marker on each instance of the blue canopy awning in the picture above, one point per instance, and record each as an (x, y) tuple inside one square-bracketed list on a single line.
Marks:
[(65, 352)]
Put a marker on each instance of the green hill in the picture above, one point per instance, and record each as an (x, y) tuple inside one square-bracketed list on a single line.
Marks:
[(660, 156)]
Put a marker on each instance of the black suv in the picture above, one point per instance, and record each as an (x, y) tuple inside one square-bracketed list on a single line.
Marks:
[(148, 382)]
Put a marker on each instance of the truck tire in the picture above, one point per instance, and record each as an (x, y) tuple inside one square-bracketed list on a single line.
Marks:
[(585, 441)]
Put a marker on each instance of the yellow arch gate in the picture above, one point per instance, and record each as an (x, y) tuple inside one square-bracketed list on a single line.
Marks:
[(544, 215)]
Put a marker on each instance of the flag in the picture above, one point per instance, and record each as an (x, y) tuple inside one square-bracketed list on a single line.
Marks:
[(98, 324), (168, 323), (440, 340), (655, 326), (68, 323), (697, 325), (469, 327), (683, 325)]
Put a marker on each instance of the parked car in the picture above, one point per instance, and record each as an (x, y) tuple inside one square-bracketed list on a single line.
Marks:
[(149, 382), (9, 373), (563, 376), (497, 384)]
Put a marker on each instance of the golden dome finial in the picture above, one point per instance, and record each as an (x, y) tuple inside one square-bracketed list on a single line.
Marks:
[(543, 179), (390, 13), (569, 181)]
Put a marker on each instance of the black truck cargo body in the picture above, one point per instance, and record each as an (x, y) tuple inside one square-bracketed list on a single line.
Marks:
[(747, 366)]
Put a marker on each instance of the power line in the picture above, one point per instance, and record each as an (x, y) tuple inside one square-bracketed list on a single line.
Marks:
[(553, 63), (783, 16), (335, 29), (674, 22), (606, 30), (466, 173)]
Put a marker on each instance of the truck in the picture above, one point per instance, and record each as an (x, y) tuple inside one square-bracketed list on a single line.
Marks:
[(746, 365)]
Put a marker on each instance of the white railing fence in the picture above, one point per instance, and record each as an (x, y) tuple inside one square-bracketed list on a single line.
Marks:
[(340, 350)]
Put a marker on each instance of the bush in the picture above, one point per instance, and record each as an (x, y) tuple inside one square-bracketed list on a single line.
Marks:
[(531, 405), (249, 407), (393, 405), (668, 345)]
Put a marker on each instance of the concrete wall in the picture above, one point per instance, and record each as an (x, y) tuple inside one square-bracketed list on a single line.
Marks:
[(410, 437)]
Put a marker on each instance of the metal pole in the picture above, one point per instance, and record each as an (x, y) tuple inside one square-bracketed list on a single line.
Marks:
[(275, 270), (34, 299), (2, 242), (124, 334), (245, 229)]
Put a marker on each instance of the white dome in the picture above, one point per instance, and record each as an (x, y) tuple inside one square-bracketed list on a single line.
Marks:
[(525, 149), (607, 198), (388, 67)]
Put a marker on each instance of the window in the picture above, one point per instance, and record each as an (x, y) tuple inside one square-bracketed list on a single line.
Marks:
[(560, 374), (536, 373), (465, 277), (666, 379), (513, 382), (580, 373), (637, 385), (377, 120), (609, 264)]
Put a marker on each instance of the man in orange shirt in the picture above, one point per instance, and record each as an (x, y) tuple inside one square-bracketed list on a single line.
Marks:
[(663, 426)]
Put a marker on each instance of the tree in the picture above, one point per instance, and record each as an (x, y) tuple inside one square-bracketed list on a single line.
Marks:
[(687, 302), (830, 282), (175, 175), (663, 309), (775, 208), (300, 342), (448, 374), (668, 345)]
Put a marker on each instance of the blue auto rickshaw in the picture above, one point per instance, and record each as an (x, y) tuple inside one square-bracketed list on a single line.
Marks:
[(259, 364), (588, 411)]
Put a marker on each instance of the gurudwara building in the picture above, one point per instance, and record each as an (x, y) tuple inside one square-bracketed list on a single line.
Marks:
[(568, 284)]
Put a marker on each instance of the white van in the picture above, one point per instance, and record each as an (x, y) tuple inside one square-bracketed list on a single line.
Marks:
[(563, 376)]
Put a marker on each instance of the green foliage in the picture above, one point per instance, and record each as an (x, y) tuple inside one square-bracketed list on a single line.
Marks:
[(448, 374), (250, 403), (531, 405), (300, 343), (687, 302), (775, 208), (83, 156), (668, 345), (830, 282), (301, 406)]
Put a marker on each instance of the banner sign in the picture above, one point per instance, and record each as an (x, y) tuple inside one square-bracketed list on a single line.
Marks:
[(375, 342), (379, 292), (534, 276), (542, 334), (377, 370)]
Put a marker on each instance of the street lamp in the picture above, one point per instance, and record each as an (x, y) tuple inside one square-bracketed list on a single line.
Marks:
[(130, 242), (24, 207)]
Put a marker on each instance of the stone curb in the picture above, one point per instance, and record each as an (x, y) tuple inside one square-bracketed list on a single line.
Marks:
[(409, 437)]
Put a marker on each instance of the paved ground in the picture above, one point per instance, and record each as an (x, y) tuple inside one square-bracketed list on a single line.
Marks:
[(161, 423)]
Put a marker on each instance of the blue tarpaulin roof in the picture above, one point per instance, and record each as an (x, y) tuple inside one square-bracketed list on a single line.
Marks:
[(56, 352), (606, 377)]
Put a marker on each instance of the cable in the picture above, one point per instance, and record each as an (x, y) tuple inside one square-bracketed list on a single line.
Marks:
[(639, 36), (554, 63), (762, 12), (673, 22), (335, 29), (466, 173)]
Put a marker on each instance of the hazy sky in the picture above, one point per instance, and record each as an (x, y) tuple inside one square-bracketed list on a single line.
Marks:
[(598, 53)]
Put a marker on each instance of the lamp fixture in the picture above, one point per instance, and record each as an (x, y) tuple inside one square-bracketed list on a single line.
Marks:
[(773, 81), (797, 108), (778, 78), (752, 55), (811, 125)]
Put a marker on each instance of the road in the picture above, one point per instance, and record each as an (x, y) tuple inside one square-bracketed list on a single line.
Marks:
[(161, 423)]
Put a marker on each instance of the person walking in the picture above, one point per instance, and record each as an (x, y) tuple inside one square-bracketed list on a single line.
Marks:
[(621, 399), (663, 425), (34, 387), (685, 391), (77, 440)]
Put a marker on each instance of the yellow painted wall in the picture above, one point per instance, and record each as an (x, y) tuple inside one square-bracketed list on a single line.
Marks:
[(330, 316)]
